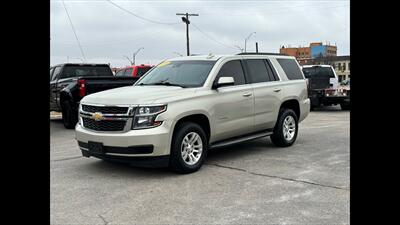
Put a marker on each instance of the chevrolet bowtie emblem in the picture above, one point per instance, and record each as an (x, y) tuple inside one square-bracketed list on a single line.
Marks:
[(97, 116)]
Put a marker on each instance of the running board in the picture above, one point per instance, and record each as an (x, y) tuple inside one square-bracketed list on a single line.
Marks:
[(240, 139)]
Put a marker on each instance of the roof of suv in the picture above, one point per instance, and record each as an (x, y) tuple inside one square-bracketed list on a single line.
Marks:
[(212, 57)]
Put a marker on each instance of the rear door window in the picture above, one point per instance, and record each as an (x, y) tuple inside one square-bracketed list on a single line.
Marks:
[(271, 71), (232, 69), (257, 70), (291, 69)]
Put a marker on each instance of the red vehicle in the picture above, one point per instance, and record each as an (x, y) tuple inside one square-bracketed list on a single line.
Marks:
[(135, 71)]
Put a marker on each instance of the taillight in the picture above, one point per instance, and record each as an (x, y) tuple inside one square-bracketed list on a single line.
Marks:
[(329, 92), (82, 87)]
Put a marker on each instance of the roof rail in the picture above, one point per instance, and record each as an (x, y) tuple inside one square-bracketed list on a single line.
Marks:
[(259, 53)]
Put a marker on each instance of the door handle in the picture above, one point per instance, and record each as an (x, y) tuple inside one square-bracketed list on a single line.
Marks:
[(247, 94), (277, 90)]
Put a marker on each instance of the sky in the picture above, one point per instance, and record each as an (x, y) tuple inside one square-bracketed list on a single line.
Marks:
[(107, 31)]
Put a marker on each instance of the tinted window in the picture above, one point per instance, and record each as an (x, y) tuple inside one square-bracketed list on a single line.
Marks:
[(142, 70), (78, 71), (310, 72), (56, 73), (257, 70), (232, 69), (291, 69), (120, 73), (187, 73)]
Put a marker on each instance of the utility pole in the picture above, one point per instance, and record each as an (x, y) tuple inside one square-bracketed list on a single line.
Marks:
[(186, 20)]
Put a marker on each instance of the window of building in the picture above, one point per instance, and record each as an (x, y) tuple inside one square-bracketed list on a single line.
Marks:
[(344, 66), (349, 66), (339, 66)]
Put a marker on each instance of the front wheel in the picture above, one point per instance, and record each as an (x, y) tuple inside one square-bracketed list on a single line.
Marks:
[(286, 129), (189, 148), (69, 115)]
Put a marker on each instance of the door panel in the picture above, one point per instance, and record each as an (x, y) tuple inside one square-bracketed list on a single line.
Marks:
[(267, 102), (233, 113)]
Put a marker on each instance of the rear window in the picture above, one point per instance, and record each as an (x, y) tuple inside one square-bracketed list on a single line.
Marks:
[(291, 68), (310, 72), (77, 71)]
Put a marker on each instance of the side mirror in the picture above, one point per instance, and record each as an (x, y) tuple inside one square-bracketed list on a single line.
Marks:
[(224, 81)]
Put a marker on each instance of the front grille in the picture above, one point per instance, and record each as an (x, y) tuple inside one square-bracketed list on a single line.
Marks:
[(105, 109), (104, 125)]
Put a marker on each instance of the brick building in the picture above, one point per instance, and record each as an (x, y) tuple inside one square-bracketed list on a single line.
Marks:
[(314, 50)]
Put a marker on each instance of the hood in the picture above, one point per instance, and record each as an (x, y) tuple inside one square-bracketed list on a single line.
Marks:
[(133, 95)]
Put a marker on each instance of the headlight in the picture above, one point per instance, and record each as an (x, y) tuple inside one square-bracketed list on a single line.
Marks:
[(145, 116)]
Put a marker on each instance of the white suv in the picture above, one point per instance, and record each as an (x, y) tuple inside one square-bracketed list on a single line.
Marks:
[(185, 106)]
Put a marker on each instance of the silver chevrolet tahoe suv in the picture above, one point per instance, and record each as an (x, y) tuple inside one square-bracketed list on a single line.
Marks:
[(185, 106)]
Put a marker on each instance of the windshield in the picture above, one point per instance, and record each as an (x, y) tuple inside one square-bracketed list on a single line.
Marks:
[(309, 72), (188, 73)]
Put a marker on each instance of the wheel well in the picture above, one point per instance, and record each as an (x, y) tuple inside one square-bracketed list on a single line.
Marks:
[(292, 104), (199, 119)]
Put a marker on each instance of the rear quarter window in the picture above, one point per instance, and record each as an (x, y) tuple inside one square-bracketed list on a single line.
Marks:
[(291, 69)]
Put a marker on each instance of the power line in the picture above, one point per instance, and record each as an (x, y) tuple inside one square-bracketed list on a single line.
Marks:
[(73, 29), (211, 38), (140, 17)]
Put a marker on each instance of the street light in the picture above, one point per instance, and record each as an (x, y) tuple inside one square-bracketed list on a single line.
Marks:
[(134, 55), (245, 40)]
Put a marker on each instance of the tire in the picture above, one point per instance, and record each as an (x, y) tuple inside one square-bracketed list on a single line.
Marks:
[(345, 106), (183, 133), (69, 115), (278, 137)]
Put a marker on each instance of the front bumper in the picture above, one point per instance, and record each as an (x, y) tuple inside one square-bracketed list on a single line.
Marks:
[(152, 142)]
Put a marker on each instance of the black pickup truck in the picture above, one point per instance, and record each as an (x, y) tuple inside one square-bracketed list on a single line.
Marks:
[(69, 83)]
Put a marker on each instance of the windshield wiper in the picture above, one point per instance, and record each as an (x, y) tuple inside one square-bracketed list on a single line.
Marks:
[(165, 83)]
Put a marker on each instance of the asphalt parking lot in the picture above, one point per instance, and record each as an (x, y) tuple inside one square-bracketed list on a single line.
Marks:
[(249, 183)]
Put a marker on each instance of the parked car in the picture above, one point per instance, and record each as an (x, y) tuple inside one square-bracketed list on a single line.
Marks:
[(133, 71), (185, 106), (69, 83), (323, 87)]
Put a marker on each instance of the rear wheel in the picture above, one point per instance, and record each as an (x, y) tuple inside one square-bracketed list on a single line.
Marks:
[(189, 148), (286, 128), (69, 115)]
